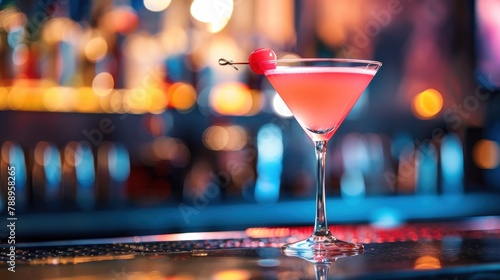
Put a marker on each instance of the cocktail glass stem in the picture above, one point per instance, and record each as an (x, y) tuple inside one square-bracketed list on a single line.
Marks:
[(321, 270), (322, 245), (321, 224)]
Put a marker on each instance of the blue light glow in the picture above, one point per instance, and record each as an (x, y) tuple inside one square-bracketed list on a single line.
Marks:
[(399, 143), (426, 169), (269, 163), (84, 164), (352, 184), (16, 159), (452, 165), (15, 37), (386, 218), (53, 173), (119, 163), (355, 153), (85, 176)]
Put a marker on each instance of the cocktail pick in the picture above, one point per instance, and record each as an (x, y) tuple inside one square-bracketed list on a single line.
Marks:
[(223, 62)]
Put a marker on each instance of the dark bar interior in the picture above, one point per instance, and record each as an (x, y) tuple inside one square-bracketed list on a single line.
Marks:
[(124, 129)]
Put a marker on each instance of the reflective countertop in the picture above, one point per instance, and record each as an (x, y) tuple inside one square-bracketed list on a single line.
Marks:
[(452, 250)]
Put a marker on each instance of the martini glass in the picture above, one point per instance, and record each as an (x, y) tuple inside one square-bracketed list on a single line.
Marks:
[(320, 93)]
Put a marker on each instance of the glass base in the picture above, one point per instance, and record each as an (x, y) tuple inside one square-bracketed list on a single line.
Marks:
[(325, 248)]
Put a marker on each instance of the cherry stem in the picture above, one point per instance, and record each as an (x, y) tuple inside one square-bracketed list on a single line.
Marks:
[(231, 63)]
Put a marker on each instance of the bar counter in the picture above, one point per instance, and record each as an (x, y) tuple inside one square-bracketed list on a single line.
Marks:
[(465, 249)]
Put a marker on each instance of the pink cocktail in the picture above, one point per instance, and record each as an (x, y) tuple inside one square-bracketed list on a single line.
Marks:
[(320, 93)]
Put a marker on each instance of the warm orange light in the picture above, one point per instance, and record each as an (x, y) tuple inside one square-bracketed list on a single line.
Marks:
[(157, 101), (258, 100), (4, 92), (182, 96), (140, 100), (180, 277), (87, 101), (427, 104), (17, 97), (427, 262), (96, 48), (233, 274), (116, 101), (231, 99), (486, 154), (136, 101), (52, 99)]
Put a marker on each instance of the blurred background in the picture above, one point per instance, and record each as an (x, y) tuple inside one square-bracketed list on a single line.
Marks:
[(119, 120)]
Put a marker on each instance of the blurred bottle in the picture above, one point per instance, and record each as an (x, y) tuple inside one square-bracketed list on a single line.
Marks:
[(426, 169), (365, 165), (79, 176), (47, 176), (85, 176), (406, 171), (113, 170), (69, 175), (403, 156)]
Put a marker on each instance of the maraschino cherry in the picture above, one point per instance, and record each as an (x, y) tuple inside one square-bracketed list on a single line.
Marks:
[(260, 60)]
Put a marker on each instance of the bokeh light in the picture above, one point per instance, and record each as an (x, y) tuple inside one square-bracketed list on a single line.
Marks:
[(54, 29), (156, 5), (174, 46), (116, 101), (225, 138), (12, 19), (486, 154), (157, 101), (53, 99), (122, 19), (4, 92), (231, 99), (182, 96), (96, 48), (103, 84), (232, 274), (215, 138), (87, 101), (171, 149), (427, 104), (427, 262), (17, 97), (216, 13)]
